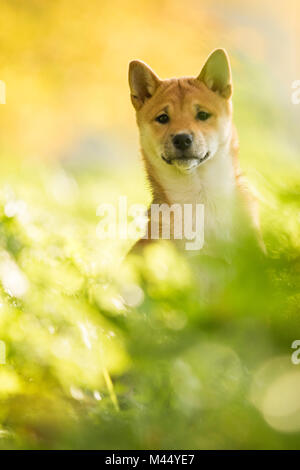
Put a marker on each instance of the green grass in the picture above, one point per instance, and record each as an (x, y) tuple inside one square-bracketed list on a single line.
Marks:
[(140, 355)]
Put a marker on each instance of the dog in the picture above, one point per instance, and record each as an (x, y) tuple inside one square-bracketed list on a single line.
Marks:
[(190, 147)]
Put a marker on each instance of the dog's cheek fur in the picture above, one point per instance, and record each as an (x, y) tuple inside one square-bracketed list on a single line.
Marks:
[(224, 128), (149, 141), (220, 134)]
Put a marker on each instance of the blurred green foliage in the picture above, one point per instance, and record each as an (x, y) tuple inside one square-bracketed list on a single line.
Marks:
[(156, 352)]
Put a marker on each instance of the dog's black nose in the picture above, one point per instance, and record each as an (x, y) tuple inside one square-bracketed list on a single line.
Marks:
[(182, 141)]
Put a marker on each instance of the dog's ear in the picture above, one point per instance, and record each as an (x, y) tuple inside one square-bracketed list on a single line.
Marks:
[(143, 83), (216, 73)]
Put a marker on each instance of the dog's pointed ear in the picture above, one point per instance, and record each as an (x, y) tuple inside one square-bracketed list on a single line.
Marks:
[(216, 73), (143, 83)]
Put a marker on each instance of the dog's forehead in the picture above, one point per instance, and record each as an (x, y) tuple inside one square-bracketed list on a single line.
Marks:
[(178, 93)]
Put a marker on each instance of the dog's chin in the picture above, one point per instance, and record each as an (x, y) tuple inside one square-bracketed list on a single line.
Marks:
[(186, 164)]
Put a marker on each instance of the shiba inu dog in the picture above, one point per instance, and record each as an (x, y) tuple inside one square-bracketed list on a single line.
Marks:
[(189, 144)]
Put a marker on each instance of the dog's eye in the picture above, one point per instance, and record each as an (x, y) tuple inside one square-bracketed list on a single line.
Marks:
[(203, 115), (162, 118)]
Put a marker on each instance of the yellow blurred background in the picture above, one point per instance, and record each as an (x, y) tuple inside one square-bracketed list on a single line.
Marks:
[(65, 66)]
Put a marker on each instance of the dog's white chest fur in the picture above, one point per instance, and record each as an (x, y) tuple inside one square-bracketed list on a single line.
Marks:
[(211, 184)]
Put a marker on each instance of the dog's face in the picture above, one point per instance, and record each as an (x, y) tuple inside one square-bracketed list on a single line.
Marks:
[(183, 122)]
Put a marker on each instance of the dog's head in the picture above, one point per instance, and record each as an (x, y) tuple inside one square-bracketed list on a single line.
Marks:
[(183, 122)]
